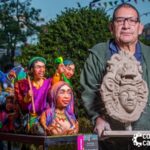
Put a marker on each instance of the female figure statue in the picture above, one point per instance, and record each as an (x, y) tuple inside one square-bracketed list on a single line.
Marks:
[(60, 119)]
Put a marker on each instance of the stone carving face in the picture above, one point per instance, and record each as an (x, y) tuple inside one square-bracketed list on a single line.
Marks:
[(128, 98), (123, 90)]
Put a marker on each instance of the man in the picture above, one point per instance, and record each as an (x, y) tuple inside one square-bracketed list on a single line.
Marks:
[(126, 28)]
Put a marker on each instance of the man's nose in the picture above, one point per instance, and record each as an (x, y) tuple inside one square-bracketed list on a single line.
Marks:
[(126, 23)]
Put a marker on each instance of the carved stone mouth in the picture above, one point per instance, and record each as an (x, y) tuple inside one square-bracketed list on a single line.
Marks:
[(129, 77), (130, 103)]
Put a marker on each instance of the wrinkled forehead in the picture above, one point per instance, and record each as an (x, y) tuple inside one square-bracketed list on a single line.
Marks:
[(126, 9), (126, 12)]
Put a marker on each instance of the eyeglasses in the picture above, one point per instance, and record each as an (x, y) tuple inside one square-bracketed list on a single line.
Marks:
[(131, 21)]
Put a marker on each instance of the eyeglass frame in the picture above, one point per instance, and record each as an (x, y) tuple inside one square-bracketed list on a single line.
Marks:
[(132, 19)]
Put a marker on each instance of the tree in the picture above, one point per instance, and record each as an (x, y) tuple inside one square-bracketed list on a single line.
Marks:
[(70, 36), (18, 21)]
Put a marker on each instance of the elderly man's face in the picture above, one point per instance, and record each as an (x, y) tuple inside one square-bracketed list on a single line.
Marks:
[(126, 27)]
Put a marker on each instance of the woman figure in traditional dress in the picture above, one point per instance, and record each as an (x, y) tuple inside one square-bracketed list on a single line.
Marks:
[(60, 119)]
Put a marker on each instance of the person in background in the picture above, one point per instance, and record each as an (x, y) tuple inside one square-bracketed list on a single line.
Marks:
[(125, 28)]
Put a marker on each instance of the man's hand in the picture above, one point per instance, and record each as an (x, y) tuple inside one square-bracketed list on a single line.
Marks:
[(100, 126)]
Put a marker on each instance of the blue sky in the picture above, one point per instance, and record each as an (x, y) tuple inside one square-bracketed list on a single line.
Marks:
[(50, 8)]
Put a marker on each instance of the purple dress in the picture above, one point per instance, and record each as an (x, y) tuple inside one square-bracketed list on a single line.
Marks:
[(40, 96)]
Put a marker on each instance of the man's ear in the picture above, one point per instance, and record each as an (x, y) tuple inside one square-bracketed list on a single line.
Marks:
[(111, 27), (141, 28)]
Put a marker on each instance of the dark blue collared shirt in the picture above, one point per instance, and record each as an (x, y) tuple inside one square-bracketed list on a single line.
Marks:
[(113, 48)]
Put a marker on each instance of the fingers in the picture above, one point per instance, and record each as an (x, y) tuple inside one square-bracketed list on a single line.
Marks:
[(107, 126), (101, 126)]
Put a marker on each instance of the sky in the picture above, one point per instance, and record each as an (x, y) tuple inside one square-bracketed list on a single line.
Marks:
[(50, 8)]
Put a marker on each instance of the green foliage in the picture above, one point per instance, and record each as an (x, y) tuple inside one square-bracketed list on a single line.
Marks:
[(145, 41), (18, 21), (70, 36), (85, 125)]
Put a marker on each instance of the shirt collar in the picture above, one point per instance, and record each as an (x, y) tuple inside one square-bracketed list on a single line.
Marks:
[(114, 49)]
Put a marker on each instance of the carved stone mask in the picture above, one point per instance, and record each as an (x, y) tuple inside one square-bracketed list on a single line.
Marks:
[(123, 90)]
